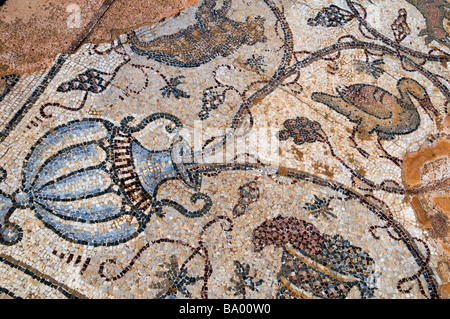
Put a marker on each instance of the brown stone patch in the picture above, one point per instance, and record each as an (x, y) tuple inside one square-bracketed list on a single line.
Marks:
[(134, 14), (420, 212), (25, 24), (445, 290), (415, 161), (361, 171), (443, 202), (283, 171), (363, 135), (324, 169), (426, 170), (297, 153), (446, 124), (439, 224)]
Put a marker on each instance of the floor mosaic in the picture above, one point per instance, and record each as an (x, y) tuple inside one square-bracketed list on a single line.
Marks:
[(241, 149)]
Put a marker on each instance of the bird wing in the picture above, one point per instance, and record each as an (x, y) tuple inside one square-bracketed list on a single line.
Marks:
[(370, 99)]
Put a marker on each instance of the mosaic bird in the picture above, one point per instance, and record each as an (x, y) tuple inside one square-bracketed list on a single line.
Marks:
[(376, 110), (315, 265)]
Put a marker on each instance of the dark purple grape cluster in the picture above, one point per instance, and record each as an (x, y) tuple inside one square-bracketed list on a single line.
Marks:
[(248, 194), (331, 16), (211, 100), (89, 81), (301, 130)]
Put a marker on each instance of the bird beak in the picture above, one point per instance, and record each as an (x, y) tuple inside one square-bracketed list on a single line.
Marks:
[(426, 104)]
